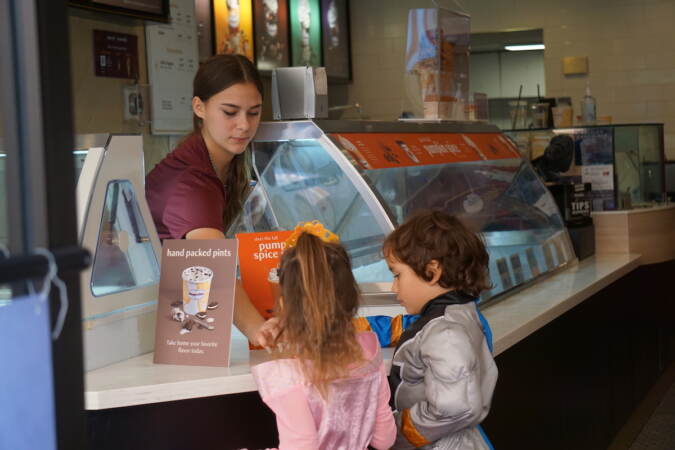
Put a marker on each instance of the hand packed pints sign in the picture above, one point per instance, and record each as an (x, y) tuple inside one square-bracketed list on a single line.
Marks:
[(196, 302), (388, 150), (259, 255)]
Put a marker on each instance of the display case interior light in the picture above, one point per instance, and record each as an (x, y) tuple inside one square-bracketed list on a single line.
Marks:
[(524, 47)]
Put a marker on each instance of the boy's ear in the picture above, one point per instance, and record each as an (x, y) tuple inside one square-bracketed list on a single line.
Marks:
[(434, 270)]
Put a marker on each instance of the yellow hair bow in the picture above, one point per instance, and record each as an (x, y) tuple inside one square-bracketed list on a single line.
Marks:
[(314, 227)]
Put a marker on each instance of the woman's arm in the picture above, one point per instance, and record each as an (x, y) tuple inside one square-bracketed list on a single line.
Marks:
[(246, 317)]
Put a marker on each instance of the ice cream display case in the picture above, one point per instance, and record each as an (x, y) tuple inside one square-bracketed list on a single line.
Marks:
[(361, 179)]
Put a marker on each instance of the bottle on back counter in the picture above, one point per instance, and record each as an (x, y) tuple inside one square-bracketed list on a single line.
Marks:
[(588, 107)]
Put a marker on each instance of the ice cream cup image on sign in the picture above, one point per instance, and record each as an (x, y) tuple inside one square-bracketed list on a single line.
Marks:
[(355, 153), (196, 287), (407, 151), (273, 279)]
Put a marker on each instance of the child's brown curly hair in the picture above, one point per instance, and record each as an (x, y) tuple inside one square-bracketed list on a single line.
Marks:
[(436, 235)]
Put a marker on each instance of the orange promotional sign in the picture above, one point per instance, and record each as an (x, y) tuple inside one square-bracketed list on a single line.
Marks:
[(259, 253), (388, 150)]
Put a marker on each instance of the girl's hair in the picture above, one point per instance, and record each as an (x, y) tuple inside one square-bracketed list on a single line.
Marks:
[(436, 235), (215, 75), (319, 300)]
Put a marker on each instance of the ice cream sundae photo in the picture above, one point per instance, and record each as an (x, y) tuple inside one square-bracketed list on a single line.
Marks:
[(271, 46), (333, 26), (234, 39), (305, 20)]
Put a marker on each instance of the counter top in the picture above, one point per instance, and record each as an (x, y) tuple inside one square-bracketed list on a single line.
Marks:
[(638, 210), (138, 381), (648, 232)]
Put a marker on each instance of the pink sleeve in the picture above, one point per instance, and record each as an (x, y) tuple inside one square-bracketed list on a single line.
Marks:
[(384, 433), (297, 430)]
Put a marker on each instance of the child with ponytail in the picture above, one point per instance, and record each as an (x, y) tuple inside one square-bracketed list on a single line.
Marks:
[(328, 386)]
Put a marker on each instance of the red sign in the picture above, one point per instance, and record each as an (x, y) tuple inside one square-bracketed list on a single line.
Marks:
[(115, 54), (387, 150)]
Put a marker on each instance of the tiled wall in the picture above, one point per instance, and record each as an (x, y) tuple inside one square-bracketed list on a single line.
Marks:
[(630, 45)]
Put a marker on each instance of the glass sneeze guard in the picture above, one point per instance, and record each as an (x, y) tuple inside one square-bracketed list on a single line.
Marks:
[(305, 172)]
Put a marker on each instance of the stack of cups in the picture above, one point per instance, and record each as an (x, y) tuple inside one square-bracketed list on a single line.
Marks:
[(562, 116)]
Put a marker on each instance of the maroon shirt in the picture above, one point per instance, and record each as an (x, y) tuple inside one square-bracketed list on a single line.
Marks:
[(183, 191)]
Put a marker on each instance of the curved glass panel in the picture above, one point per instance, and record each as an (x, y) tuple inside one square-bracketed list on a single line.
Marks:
[(300, 181), (482, 180), (124, 257), (504, 200)]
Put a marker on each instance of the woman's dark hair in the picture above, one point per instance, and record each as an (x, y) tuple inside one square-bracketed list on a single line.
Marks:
[(436, 235), (320, 299), (214, 75)]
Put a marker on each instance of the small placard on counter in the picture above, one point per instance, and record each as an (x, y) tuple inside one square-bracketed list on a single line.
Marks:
[(259, 255), (196, 302)]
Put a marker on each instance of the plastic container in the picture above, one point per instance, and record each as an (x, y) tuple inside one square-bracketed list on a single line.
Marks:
[(588, 107), (518, 113), (562, 116), (540, 115)]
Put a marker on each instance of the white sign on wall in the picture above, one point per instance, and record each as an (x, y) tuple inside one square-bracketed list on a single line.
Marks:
[(173, 60)]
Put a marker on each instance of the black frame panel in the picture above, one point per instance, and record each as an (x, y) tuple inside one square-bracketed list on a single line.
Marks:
[(124, 11)]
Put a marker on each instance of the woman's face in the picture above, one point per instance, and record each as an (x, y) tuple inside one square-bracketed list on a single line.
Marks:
[(231, 117)]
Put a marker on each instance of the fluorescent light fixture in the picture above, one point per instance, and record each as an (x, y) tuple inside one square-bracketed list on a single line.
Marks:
[(520, 48)]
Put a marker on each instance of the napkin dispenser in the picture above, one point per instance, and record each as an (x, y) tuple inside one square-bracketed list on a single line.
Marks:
[(299, 93)]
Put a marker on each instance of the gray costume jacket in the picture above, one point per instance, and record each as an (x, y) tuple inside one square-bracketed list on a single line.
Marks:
[(442, 377)]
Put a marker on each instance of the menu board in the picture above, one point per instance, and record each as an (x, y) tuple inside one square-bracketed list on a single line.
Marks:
[(152, 6), (115, 54), (142, 9), (173, 60)]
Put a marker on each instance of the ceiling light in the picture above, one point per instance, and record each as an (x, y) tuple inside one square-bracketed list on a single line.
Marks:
[(520, 48)]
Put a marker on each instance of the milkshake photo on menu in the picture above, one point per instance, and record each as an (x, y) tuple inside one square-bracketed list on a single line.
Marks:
[(335, 39), (271, 34), (305, 23), (196, 302), (233, 21)]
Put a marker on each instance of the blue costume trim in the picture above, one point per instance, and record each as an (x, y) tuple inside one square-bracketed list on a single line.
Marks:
[(487, 331), (381, 326), (485, 438)]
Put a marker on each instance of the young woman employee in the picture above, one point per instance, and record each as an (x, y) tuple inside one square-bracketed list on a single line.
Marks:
[(198, 189)]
